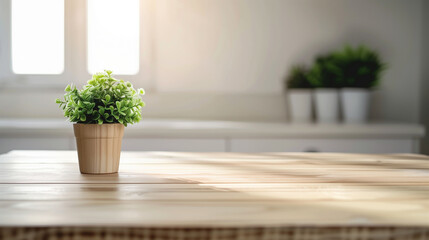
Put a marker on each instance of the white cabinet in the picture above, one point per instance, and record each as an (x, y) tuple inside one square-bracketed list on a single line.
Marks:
[(225, 145), (222, 136), (35, 143), (325, 145), (173, 144)]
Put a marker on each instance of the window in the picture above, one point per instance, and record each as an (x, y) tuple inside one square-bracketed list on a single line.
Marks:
[(113, 36), (53, 42), (37, 36)]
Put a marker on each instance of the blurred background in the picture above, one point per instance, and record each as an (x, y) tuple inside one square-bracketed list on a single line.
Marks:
[(214, 71)]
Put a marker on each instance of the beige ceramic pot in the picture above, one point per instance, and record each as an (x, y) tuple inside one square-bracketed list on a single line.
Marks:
[(98, 147)]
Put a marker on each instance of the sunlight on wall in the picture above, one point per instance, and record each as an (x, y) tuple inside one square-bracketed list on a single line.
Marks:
[(113, 36), (38, 36)]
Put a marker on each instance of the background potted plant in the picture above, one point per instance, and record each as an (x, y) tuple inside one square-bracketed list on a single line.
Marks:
[(299, 92), (361, 70), (324, 77), (100, 110)]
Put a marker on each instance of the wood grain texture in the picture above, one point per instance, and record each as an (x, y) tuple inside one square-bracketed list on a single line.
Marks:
[(175, 189), (98, 147)]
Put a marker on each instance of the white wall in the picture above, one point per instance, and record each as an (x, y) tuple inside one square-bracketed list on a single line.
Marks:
[(425, 78), (225, 59)]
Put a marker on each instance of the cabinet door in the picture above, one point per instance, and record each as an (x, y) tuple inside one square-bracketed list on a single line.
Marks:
[(174, 144), (325, 145), (27, 143)]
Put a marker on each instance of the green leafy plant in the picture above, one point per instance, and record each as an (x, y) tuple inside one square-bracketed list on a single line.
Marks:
[(360, 67), (325, 73), (298, 78), (103, 100), (350, 67)]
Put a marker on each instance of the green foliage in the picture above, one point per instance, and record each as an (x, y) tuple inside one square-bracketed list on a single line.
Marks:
[(360, 67), (298, 78), (357, 67), (325, 73), (103, 100)]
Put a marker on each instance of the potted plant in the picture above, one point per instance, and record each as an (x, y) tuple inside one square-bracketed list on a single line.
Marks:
[(299, 93), (324, 77), (361, 70), (100, 111)]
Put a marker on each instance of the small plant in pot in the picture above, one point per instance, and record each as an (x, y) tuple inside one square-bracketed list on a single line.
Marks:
[(324, 76), (100, 111), (299, 92), (361, 70)]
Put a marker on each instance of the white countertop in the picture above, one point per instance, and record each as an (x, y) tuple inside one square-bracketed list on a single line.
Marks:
[(218, 129)]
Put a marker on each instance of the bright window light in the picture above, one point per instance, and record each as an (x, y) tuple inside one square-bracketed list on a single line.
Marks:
[(113, 36), (38, 36)]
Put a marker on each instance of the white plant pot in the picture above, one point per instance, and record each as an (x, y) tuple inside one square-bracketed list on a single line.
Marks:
[(300, 105), (355, 104), (327, 105)]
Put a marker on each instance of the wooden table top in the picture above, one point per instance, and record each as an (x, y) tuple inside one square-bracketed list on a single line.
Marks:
[(175, 189)]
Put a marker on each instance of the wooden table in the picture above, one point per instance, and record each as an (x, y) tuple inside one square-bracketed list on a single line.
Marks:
[(175, 195)]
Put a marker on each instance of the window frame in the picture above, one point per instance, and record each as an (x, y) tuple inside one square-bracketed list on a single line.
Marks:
[(75, 50)]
